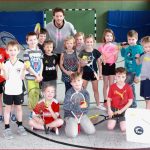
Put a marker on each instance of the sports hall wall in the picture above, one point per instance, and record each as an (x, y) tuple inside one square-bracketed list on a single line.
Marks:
[(102, 7)]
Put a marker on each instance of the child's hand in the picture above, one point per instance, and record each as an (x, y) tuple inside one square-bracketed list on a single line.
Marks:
[(124, 44), (136, 79), (137, 56), (37, 78), (100, 77), (118, 112), (1, 66), (27, 64), (110, 113)]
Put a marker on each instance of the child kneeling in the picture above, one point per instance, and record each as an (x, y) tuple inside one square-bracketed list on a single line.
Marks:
[(76, 105), (46, 112)]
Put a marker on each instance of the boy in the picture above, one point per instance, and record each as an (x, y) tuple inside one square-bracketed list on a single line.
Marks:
[(33, 57), (76, 104), (129, 53), (41, 38), (120, 98), (50, 65), (13, 71)]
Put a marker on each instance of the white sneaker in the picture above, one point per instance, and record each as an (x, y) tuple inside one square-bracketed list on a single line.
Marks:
[(101, 107)]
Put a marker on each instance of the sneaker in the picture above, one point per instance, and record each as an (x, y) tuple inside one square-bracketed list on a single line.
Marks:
[(21, 131), (101, 107), (13, 118), (1, 118), (8, 134)]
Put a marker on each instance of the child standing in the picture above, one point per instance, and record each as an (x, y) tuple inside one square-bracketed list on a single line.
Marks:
[(109, 51), (50, 65), (41, 39), (79, 42), (120, 97), (145, 71), (46, 112), (68, 61), (3, 57), (89, 58), (76, 104), (13, 71), (33, 56), (129, 53)]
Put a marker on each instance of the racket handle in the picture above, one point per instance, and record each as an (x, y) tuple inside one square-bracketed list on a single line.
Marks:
[(79, 128)]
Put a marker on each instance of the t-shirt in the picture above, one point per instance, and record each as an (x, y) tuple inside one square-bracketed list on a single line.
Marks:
[(41, 109), (91, 58), (35, 59), (49, 67), (3, 56), (145, 71), (14, 84), (109, 52), (120, 97)]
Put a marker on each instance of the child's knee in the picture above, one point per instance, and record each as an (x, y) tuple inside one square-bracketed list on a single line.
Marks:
[(110, 126)]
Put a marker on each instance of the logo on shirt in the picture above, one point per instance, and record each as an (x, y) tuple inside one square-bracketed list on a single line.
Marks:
[(120, 94)]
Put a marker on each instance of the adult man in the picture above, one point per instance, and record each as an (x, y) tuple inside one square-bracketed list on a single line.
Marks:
[(58, 29)]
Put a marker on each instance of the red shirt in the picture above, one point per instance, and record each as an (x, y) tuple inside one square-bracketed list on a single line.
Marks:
[(120, 97), (3, 56), (42, 110)]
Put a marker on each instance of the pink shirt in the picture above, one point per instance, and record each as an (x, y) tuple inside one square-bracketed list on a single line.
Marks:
[(109, 52)]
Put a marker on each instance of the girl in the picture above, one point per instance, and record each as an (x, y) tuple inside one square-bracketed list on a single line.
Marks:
[(145, 72), (68, 61), (89, 58), (79, 40), (109, 51), (46, 112)]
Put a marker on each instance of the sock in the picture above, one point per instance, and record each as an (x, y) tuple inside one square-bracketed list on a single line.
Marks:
[(7, 126), (19, 123)]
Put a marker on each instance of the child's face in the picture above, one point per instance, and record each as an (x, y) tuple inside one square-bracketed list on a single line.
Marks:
[(79, 40), (69, 44), (32, 41), (120, 78), (132, 40), (77, 83), (48, 48), (13, 51), (49, 93), (89, 42), (146, 47), (108, 37), (42, 38), (58, 17)]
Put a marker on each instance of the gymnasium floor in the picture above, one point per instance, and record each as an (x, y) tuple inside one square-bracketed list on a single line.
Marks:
[(102, 139)]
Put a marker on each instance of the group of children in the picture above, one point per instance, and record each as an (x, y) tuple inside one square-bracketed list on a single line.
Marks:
[(79, 63)]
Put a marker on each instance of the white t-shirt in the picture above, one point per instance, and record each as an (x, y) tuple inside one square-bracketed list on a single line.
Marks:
[(14, 83)]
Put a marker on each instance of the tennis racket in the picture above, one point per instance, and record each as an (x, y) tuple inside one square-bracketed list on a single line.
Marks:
[(6, 37)]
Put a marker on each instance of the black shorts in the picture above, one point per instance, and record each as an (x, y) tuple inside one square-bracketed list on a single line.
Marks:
[(13, 99), (2, 87), (120, 117), (108, 69), (88, 76), (145, 89)]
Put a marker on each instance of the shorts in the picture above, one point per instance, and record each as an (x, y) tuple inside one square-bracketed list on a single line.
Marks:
[(2, 87), (120, 117), (108, 70), (89, 76), (13, 99), (145, 89)]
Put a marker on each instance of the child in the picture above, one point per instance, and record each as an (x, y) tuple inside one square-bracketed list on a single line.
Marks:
[(145, 71), (13, 71), (41, 38), (76, 103), (120, 98), (109, 51), (3, 57), (68, 61), (89, 58), (129, 53), (46, 112), (50, 65), (79, 41), (33, 56)]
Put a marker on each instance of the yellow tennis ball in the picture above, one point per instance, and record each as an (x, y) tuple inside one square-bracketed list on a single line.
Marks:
[(27, 63), (84, 57)]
